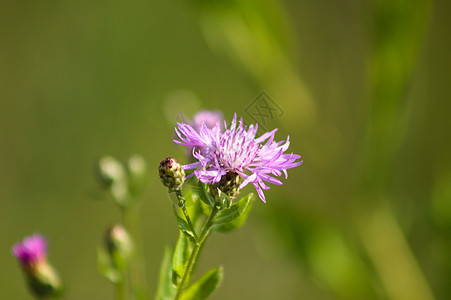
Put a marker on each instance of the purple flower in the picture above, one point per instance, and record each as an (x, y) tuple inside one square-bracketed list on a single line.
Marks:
[(31, 250), (42, 279), (237, 150)]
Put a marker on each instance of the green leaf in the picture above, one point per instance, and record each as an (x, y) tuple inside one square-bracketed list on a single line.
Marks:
[(224, 200), (105, 267), (185, 228), (165, 289), (237, 213), (180, 259), (202, 191), (205, 208), (205, 286), (191, 196), (193, 205), (240, 220)]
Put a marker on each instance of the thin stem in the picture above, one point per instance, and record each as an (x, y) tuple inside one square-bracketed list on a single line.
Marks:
[(181, 204), (120, 289), (136, 275), (194, 254)]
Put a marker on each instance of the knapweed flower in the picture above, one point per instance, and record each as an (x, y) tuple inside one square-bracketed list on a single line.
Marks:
[(236, 150), (32, 255), (31, 250)]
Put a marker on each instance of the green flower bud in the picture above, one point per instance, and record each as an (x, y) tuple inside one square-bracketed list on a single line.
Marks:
[(137, 166), (43, 280), (171, 173), (137, 171), (119, 246), (110, 170)]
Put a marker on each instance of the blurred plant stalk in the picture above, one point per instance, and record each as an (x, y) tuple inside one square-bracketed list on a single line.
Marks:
[(398, 32), (125, 182), (392, 257)]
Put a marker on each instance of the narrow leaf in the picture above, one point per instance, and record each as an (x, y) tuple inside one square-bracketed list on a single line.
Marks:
[(202, 191), (165, 289), (180, 259), (205, 286), (235, 211), (193, 205), (191, 195), (185, 228)]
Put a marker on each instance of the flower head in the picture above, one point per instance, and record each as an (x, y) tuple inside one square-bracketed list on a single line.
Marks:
[(42, 279), (237, 150), (31, 250), (119, 246), (171, 173)]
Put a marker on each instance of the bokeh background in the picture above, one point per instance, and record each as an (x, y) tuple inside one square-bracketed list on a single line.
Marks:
[(364, 88)]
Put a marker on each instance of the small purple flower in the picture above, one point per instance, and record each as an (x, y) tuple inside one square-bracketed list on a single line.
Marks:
[(31, 250), (42, 279), (236, 150)]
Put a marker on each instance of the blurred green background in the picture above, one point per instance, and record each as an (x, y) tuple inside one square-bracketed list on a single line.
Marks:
[(364, 87)]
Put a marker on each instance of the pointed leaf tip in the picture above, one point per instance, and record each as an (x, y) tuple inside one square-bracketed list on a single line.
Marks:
[(205, 286)]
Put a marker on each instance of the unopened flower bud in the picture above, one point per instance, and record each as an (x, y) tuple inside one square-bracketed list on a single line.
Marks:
[(137, 166), (110, 170), (119, 246), (171, 173), (41, 277)]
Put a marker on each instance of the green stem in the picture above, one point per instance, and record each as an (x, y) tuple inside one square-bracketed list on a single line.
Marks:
[(120, 289), (195, 253), (181, 204), (136, 275)]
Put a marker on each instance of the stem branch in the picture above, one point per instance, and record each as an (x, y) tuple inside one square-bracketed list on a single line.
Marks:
[(194, 254)]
